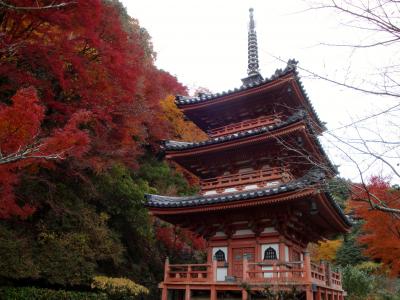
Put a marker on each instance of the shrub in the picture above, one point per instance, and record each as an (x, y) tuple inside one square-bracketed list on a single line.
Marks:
[(119, 288), (32, 293), (357, 283)]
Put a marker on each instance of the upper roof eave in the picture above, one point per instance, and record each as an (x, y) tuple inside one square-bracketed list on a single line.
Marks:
[(299, 116), (291, 68), (178, 145)]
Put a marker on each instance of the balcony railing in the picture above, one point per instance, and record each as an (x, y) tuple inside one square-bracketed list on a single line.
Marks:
[(318, 273), (270, 272), (276, 272), (188, 273), (245, 125), (323, 275), (239, 180)]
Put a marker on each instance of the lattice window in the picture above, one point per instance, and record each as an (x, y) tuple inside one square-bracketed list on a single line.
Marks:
[(270, 254), (220, 255)]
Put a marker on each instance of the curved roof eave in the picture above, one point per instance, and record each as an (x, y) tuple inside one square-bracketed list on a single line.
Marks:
[(300, 115), (315, 176), (291, 68)]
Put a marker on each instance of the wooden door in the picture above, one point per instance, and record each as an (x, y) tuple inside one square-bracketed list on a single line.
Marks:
[(237, 265)]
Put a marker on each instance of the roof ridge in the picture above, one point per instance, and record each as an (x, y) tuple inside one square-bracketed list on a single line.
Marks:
[(290, 67)]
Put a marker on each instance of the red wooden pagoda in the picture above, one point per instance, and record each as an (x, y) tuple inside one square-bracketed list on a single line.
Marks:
[(262, 200)]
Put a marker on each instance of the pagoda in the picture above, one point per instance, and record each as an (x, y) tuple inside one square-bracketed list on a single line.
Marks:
[(263, 195)]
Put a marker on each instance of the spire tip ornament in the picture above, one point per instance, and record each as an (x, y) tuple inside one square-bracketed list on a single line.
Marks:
[(253, 66)]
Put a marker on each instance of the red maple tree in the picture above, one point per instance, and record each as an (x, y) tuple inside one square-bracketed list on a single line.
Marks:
[(177, 240), (98, 93), (22, 144), (381, 230)]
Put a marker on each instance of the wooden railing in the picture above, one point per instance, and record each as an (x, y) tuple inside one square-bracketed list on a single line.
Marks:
[(245, 125), (323, 275), (271, 272), (318, 273), (276, 272), (188, 273), (336, 279), (239, 180)]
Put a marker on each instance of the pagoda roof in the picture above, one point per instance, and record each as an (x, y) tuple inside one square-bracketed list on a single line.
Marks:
[(315, 176), (291, 68), (178, 145), (300, 115)]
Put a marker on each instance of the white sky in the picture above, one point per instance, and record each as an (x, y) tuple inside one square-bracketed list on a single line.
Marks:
[(204, 44)]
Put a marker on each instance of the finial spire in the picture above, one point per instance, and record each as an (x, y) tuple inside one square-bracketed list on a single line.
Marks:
[(253, 67)]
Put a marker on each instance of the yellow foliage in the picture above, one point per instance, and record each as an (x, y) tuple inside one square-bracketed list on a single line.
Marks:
[(371, 267), (118, 286), (184, 130), (325, 250)]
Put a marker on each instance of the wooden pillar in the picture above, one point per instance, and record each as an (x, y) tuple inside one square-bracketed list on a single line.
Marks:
[(164, 293), (274, 273), (258, 257), (230, 258), (318, 296), (209, 253), (245, 267), (282, 249), (245, 295), (214, 270), (307, 267), (213, 293), (308, 279), (309, 293), (166, 269), (188, 294)]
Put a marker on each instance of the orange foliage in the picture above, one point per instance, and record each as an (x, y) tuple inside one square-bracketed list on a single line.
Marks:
[(325, 250), (381, 230), (183, 130)]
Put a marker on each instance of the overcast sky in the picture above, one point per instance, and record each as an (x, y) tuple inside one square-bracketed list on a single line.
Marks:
[(204, 44)]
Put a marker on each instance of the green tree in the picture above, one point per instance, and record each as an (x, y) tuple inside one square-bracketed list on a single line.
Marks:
[(350, 253), (357, 283)]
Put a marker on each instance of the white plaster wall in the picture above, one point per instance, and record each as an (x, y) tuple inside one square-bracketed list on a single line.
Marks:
[(243, 232), (267, 275), (272, 183), (213, 192), (286, 253), (220, 234), (269, 230), (244, 170), (251, 187), (221, 273)]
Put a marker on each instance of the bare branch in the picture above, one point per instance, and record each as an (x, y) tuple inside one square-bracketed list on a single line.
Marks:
[(32, 151), (52, 6)]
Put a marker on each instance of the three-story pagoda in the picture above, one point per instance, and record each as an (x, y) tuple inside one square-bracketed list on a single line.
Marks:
[(262, 175)]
